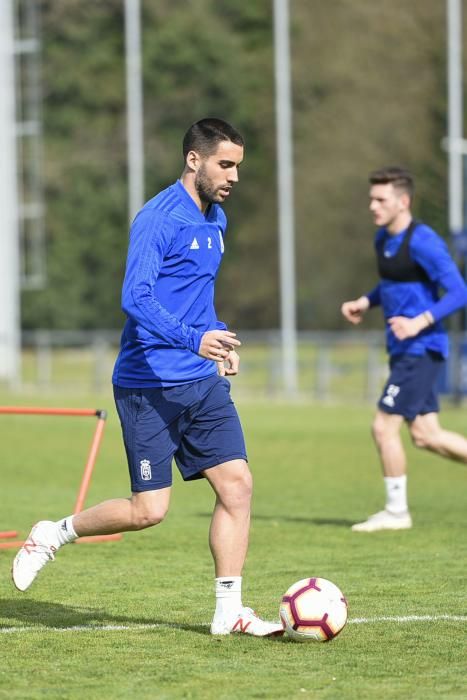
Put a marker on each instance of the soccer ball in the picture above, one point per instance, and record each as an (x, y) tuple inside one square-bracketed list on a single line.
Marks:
[(313, 609)]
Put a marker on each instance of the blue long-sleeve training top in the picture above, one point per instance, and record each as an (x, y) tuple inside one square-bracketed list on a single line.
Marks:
[(173, 258), (410, 299)]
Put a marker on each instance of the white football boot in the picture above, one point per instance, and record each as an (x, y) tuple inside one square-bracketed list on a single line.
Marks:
[(247, 622), (384, 520), (39, 548)]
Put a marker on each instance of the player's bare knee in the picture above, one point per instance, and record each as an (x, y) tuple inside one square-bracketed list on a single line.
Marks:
[(246, 487), (238, 491), (422, 439), (242, 489), (378, 431), (148, 517)]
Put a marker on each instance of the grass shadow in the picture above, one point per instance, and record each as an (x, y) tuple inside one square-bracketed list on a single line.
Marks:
[(27, 613), (336, 522)]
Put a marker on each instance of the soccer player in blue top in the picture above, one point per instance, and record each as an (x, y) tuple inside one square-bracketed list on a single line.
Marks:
[(413, 264), (170, 388)]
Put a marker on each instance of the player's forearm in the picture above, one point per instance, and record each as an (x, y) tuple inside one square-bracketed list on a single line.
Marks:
[(147, 312), (374, 297), (453, 300)]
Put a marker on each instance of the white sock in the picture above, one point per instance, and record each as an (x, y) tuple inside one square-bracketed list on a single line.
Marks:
[(66, 532), (396, 493), (228, 597)]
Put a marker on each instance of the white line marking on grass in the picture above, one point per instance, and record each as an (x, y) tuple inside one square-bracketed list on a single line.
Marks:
[(407, 618), (168, 625)]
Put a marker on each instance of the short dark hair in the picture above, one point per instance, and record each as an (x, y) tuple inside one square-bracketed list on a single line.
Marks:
[(399, 178), (205, 135)]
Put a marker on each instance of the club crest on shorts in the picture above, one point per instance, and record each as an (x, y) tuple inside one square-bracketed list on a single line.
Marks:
[(391, 393), (146, 473)]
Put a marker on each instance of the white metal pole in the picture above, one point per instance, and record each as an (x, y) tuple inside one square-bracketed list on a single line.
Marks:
[(9, 227), (285, 195), (134, 102), (455, 115)]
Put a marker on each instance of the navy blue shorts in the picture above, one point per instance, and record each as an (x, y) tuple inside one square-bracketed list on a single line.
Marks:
[(411, 388), (195, 423)]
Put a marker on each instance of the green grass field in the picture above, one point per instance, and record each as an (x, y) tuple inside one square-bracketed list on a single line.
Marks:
[(130, 619)]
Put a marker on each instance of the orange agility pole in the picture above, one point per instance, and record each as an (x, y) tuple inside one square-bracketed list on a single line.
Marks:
[(88, 469)]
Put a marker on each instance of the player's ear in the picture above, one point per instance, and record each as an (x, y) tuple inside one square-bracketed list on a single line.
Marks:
[(405, 200), (193, 160)]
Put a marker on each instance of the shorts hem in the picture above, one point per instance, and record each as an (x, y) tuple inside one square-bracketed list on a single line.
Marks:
[(392, 412), (228, 458), (411, 416), (151, 487)]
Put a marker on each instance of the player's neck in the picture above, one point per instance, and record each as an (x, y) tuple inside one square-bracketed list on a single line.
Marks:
[(400, 223), (188, 183)]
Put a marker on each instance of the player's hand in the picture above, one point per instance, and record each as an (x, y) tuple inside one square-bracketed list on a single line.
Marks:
[(229, 366), (404, 327), (353, 310), (216, 345)]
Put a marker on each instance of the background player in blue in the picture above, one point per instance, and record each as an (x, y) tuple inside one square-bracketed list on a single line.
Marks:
[(169, 379), (413, 264)]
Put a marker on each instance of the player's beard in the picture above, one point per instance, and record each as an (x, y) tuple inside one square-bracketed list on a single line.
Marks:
[(205, 188)]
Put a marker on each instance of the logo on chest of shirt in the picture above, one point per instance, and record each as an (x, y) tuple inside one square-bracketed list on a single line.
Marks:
[(195, 245)]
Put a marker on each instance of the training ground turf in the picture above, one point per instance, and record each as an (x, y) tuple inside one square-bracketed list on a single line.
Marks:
[(130, 619)]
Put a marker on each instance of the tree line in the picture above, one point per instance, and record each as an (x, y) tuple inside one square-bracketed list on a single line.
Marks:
[(369, 89)]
